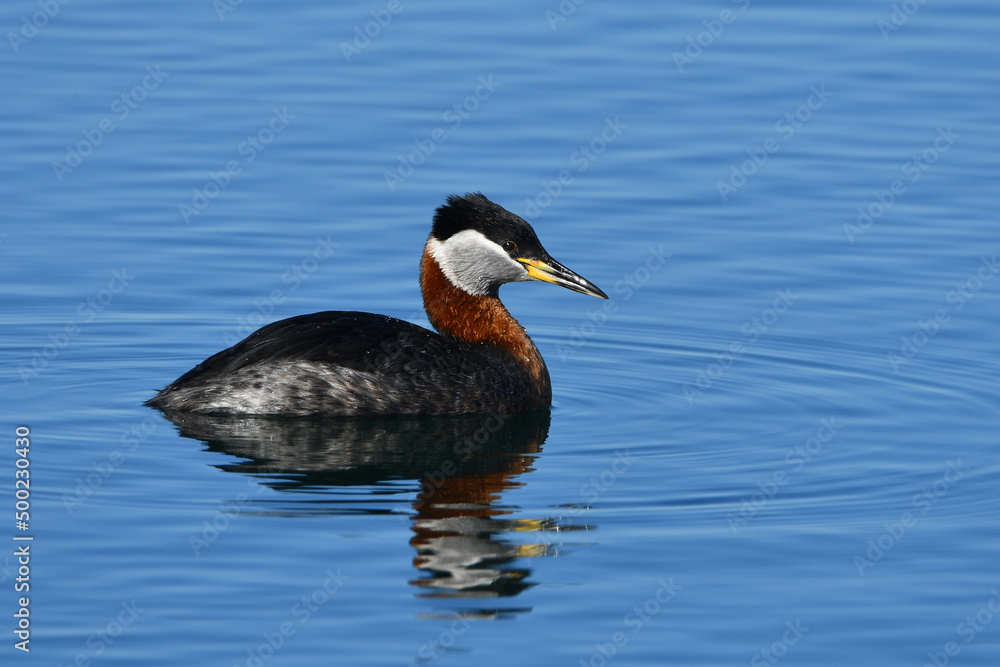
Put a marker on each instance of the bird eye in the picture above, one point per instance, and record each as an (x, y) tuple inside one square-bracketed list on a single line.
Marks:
[(509, 246)]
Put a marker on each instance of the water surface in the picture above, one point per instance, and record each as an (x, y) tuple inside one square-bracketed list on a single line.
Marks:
[(776, 442)]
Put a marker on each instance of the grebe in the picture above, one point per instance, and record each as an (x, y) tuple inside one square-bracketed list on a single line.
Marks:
[(349, 363)]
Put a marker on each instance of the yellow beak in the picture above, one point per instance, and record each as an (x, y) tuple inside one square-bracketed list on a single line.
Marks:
[(553, 272)]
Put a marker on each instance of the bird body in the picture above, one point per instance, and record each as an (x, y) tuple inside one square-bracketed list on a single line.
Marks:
[(351, 363)]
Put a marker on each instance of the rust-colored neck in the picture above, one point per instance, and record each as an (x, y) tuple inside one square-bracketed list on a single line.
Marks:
[(478, 319)]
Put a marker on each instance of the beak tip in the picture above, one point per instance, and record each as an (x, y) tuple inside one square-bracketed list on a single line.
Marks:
[(595, 291)]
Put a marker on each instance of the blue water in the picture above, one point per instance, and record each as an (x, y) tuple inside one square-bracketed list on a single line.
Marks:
[(776, 443)]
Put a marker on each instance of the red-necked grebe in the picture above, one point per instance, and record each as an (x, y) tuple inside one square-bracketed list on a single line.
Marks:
[(350, 363)]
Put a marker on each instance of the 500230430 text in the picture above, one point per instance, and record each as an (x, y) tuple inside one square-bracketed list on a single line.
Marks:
[(22, 516)]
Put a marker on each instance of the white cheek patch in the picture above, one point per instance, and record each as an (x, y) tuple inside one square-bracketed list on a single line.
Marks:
[(474, 263)]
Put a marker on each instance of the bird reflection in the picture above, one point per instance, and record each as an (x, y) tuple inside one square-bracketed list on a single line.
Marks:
[(467, 544)]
